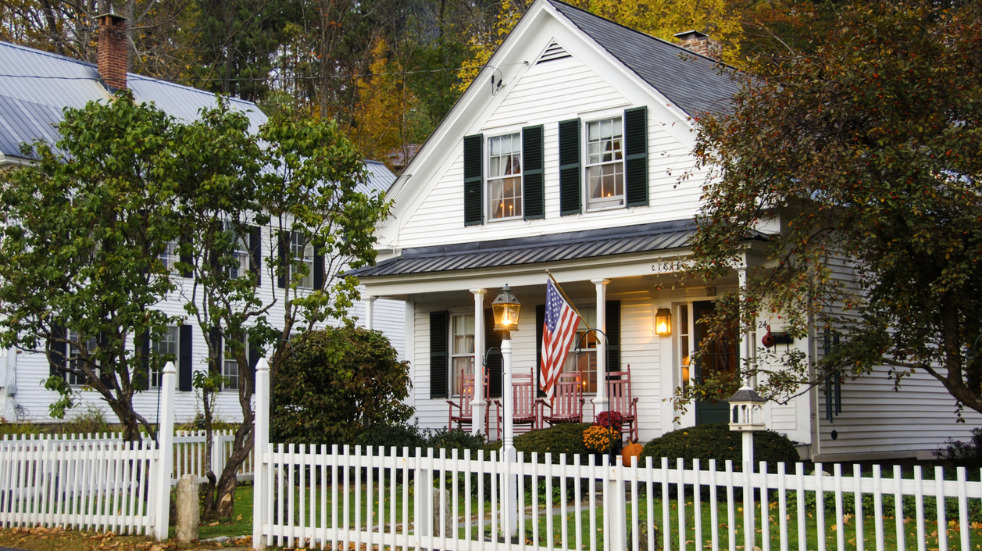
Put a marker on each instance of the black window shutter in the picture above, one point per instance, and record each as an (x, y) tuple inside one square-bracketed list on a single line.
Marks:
[(569, 167), (533, 192), (58, 351), (254, 355), (318, 269), (540, 320), (185, 376), (106, 376), (474, 180), (492, 338), (256, 253), (215, 361), (283, 250), (613, 333), (141, 377), (439, 354), (636, 156), (185, 258)]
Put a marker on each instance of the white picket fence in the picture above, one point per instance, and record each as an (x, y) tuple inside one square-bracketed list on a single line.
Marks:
[(357, 498), (91, 483)]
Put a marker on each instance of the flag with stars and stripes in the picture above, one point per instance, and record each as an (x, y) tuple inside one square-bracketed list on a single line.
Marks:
[(557, 334)]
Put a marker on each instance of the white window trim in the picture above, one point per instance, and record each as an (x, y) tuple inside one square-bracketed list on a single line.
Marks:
[(613, 202), (463, 355), (307, 258), (488, 178), (72, 350), (153, 380), (227, 361)]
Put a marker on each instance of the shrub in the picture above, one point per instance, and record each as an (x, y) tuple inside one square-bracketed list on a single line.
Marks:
[(718, 442), (564, 438), (337, 383), (89, 421), (963, 454), (389, 436), (455, 439)]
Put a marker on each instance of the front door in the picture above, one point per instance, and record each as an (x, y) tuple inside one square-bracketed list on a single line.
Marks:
[(719, 358)]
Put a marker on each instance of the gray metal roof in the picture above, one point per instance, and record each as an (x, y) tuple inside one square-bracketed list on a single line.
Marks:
[(379, 177), (36, 86), (691, 81), (534, 250)]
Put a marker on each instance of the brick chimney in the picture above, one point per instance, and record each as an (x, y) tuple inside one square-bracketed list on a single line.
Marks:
[(699, 43), (113, 52)]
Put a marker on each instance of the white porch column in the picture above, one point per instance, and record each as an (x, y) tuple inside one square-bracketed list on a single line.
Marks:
[(370, 312), (478, 406), (600, 402)]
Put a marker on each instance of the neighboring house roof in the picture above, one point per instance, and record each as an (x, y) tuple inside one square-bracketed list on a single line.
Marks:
[(379, 176), (36, 86), (658, 236), (694, 82)]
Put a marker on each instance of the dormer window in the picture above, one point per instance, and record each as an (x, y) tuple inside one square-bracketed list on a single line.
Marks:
[(505, 176)]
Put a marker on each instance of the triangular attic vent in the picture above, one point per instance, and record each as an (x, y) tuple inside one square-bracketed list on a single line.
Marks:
[(552, 53)]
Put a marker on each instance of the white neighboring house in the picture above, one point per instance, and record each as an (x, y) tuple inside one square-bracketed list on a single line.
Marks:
[(34, 89), (565, 155)]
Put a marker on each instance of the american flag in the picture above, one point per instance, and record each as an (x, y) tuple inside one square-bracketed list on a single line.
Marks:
[(557, 334)]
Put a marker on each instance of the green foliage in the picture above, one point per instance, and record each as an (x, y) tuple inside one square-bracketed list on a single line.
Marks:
[(455, 439), (866, 148), (90, 421), (398, 436), (717, 441), (335, 384), (563, 438), (963, 454)]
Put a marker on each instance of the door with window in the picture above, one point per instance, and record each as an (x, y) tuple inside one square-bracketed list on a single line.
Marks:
[(717, 360)]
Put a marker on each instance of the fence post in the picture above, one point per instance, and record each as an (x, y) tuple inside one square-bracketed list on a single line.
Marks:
[(614, 499), (218, 440), (165, 453), (261, 437)]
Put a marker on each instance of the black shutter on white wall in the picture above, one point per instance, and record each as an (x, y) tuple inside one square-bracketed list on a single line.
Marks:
[(613, 333), (283, 250), (492, 338), (141, 376), (474, 180), (58, 351), (636, 156), (540, 319), (256, 253), (184, 359), (439, 354), (318, 268), (533, 191), (570, 188)]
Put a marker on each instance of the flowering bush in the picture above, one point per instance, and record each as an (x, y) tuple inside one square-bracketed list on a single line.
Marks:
[(610, 419), (599, 439)]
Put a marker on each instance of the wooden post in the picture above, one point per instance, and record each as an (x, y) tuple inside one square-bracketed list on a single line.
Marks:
[(260, 501), (165, 453)]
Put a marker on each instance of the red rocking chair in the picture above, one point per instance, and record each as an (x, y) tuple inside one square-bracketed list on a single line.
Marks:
[(523, 402), (567, 401), (621, 400), (461, 410)]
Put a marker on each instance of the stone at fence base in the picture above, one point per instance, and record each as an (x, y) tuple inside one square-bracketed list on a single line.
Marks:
[(188, 514), (441, 501)]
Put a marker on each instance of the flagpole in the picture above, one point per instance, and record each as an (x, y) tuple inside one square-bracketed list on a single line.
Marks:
[(568, 300)]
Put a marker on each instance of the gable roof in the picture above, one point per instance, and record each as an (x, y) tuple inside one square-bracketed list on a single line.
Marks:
[(693, 82), (36, 86)]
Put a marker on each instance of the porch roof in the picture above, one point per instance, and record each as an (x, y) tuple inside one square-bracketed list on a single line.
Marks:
[(536, 249)]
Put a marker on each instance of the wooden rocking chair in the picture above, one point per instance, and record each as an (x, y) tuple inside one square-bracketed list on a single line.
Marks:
[(461, 410), (524, 405), (621, 400), (567, 402)]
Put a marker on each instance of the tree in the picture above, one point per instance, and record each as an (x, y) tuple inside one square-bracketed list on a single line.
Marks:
[(337, 383), (868, 149), (293, 189), (83, 232)]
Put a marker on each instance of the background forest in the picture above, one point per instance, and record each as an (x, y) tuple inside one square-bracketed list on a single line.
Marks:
[(387, 70)]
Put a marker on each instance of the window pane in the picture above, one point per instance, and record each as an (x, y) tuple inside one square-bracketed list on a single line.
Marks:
[(504, 176), (605, 166), (461, 349)]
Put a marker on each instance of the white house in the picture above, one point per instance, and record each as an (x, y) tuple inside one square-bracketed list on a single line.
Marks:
[(566, 155), (34, 89)]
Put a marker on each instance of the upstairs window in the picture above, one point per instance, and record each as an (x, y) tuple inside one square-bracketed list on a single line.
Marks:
[(170, 256), (302, 266), (76, 361), (167, 349), (605, 164), (505, 176)]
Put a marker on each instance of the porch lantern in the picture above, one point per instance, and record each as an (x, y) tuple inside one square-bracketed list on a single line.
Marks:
[(663, 322), (506, 310)]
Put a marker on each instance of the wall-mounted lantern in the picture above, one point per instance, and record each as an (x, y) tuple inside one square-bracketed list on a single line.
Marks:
[(663, 322)]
